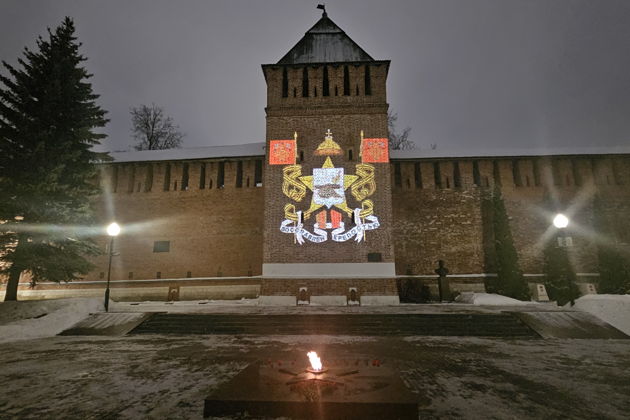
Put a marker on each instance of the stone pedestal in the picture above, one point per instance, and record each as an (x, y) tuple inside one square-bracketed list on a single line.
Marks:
[(346, 389)]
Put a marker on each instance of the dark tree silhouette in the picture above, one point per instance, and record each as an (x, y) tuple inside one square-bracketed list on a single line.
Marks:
[(48, 117), (614, 260), (398, 140), (153, 130), (510, 281)]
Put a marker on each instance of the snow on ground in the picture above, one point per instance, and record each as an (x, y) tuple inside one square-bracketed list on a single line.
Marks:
[(24, 320), (614, 309), (168, 377), (490, 299)]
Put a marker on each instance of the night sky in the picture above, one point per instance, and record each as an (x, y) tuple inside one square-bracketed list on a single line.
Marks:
[(465, 74)]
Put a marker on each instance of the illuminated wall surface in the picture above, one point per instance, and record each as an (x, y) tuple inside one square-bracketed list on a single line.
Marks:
[(339, 208)]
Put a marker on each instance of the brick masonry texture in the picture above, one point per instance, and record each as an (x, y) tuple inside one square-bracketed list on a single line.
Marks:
[(212, 232), (429, 209), (453, 223), (218, 232), (328, 287), (310, 117)]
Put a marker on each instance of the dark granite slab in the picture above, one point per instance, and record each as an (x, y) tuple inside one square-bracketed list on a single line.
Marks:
[(366, 389)]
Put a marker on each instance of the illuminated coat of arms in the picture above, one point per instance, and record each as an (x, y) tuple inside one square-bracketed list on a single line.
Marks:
[(329, 216)]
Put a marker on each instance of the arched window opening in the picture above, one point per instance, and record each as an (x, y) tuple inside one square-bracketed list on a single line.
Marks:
[(114, 178), (305, 82), (148, 180), (417, 175), (476, 174), (202, 176), (516, 173), (285, 83), (437, 176), (536, 168), (239, 174), (258, 173), (346, 81), (221, 175), (368, 80), (397, 175), (457, 176), (167, 177), (185, 177)]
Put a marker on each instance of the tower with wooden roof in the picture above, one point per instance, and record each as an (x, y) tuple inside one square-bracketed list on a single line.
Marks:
[(328, 210)]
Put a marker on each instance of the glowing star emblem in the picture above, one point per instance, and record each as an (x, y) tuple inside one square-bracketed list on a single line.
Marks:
[(328, 185)]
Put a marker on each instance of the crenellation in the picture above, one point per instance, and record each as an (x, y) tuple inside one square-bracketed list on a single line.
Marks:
[(230, 217)]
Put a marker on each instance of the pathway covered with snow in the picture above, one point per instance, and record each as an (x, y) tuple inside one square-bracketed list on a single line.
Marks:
[(169, 377)]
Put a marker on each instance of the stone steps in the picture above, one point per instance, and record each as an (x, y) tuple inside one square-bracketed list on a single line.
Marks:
[(476, 325)]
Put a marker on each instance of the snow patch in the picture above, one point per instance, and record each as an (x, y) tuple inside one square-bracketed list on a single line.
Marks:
[(614, 309), (490, 299), (43, 318), (236, 150)]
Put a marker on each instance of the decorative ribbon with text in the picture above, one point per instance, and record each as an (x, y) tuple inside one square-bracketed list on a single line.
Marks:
[(296, 227)]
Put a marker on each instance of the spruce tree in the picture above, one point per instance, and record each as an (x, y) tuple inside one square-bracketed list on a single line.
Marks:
[(614, 264), (510, 281), (614, 270), (48, 117)]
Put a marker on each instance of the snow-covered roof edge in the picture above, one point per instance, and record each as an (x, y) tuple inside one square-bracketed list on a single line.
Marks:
[(507, 152), (258, 149), (238, 150)]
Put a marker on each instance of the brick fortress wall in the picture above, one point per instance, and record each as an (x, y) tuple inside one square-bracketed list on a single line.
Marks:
[(439, 210), (213, 227), (310, 116)]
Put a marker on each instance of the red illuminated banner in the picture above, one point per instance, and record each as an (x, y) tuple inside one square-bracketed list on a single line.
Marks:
[(335, 219), (321, 219), (375, 151), (282, 152)]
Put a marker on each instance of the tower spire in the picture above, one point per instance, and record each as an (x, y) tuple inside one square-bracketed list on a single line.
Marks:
[(323, 7)]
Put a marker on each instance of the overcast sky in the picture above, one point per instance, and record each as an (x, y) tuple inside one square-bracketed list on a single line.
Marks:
[(465, 73)]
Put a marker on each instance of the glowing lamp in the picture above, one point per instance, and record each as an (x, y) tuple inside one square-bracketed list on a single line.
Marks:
[(560, 221), (113, 229)]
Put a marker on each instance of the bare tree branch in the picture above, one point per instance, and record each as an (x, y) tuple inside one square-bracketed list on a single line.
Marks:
[(398, 141), (153, 130)]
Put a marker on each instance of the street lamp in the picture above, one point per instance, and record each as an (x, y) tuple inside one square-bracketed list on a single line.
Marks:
[(112, 230), (560, 221)]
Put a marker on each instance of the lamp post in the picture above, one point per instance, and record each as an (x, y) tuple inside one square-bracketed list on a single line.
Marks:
[(560, 221), (112, 230)]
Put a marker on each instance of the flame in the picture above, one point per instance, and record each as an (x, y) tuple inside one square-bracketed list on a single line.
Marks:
[(316, 363)]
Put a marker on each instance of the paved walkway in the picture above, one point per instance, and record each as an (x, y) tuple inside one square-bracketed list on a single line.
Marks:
[(158, 377)]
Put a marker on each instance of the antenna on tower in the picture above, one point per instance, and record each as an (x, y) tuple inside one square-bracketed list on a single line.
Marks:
[(323, 7)]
